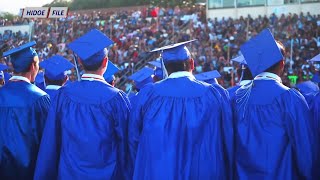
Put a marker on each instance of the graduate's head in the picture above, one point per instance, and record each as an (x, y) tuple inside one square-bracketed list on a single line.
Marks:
[(142, 77), (157, 72), (25, 60), (264, 54), (56, 69), (177, 57), (109, 74), (92, 50)]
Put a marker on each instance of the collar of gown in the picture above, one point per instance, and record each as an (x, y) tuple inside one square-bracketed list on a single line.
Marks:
[(92, 77), (55, 87), (244, 82), (19, 78), (181, 74), (268, 76)]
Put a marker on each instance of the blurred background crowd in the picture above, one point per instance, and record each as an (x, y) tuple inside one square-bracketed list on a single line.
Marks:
[(137, 31)]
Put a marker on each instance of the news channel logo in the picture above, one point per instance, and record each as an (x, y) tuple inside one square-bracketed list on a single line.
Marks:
[(44, 12)]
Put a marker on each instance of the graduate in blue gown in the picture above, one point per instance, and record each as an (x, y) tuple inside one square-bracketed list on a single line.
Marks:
[(244, 75), (86, 131), (55, 74), (181, 128), (141, 78), (109, 74), (23, 111), (2, 78), (274, 138), (39, 80)]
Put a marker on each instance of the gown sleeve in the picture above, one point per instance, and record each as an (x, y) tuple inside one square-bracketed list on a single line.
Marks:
[(121, 114), (227, 127), (49, 152), (301, 135)]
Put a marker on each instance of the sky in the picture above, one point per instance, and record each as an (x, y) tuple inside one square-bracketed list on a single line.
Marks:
[(13, 6)]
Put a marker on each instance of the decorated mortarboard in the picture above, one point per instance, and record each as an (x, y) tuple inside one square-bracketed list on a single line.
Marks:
[(7, 76), (307, 87), (315, 78), (156, 63), (39, 78), (261, 52), (91, 47), (175, 52), (316, 58), (209, 77), (240, 59), (111, 70), (22, 56), (158, 70), (56, 67), (3, 67), (142, 77)]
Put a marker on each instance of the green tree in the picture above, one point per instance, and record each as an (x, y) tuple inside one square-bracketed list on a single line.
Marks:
[(8, 16)]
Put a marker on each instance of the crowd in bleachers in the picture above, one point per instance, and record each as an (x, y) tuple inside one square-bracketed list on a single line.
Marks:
[(137, 32)]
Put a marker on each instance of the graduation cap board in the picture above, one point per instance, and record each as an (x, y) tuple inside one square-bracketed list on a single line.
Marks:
[(240, 59), (56, 67), (91, 47), (22, 56), (111, 70), (261, 52), (209, 77), (316, 58), (142, 77), (158, 71)]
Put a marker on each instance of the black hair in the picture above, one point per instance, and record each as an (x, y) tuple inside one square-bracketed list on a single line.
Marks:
[(175, 66), (59, 82), (92, 67)]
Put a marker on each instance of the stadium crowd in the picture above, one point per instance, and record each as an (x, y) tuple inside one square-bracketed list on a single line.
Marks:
[(137, 32)]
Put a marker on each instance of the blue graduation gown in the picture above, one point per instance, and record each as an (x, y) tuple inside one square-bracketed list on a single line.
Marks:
[(86, 134), (51, 92), (232, 91), (23, 111), (274, 139), (315, 109), (181, 128)]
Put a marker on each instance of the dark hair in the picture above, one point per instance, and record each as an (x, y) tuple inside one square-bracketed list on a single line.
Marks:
[(176, 66), (247, 75), (273, 68), (54, 82), (91, 67)]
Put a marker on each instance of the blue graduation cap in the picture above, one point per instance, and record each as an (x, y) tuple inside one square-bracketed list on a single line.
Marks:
[(316, 58), (240, 59), (315, 78), (3, 67), (307, 87), (39, 78), (111, 70), (7, 76), (91, 47), (156, 63), (261, 52), (208, 77), (55, 67), (158, 71), (142, 77), (22, 56), (175, 52)]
